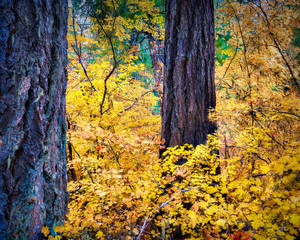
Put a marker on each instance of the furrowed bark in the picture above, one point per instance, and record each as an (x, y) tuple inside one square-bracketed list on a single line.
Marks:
[(33, 59), (189, 89)]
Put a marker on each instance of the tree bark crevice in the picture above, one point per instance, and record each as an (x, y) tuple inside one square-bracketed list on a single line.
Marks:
[(33, 59), (189, 72)]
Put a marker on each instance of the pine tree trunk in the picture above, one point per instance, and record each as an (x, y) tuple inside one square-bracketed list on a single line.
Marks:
[(33, 59), (189, 89)]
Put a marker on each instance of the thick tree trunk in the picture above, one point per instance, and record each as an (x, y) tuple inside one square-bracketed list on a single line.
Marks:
[(33, 59), (189, 89)]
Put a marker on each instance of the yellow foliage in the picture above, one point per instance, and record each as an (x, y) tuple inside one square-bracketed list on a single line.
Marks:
[(243, 183), (45, 231)]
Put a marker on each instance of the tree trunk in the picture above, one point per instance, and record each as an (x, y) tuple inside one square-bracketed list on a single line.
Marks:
[(33, 59), (189, 89)]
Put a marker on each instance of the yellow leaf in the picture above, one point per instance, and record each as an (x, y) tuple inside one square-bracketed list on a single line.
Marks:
[(295, 220), (45, 231), (221, 222), (99, 234), (136, 231)]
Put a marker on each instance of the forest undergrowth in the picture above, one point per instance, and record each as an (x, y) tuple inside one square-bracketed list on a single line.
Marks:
[(120, 189)]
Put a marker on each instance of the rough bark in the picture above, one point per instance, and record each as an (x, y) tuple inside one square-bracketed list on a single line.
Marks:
[(189, 89), (33, 59)]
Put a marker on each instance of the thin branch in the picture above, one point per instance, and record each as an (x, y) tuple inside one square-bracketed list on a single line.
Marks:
[(278, 46), (82, 160), (169, 228), (288, 113), (105, 88), (79, 53), (109, 38), (143, 228), (243, 41), (156, 181), (136, 100), (231, 60), (146, 222), (158, 237), (274, 139)]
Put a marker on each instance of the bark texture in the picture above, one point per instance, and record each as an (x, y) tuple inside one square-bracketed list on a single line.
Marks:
[(33, 59), (189, 89)]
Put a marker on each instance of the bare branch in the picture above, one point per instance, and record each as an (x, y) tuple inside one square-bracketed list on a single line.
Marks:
[(76, 50), (277, 44), (136, 100), (146, 222)]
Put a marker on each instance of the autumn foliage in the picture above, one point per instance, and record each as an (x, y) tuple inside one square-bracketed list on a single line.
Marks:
[(120, 189)]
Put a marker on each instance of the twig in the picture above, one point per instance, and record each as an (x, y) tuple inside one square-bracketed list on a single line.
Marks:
[(143, 228), (158, 237), (156, 181), (110, 41), (289, 113), (105, 88), (231, 60), (81, 160), (278, 46), (77, 51), (145, 224), (169, 228), (274, 139), (136, 100)]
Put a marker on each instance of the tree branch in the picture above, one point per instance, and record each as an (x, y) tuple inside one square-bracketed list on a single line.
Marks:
[(146, 222), (278, 46), (79, 53), (136, 100)]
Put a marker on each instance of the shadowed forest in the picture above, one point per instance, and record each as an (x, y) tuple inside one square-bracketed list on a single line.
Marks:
[(153, 154)]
